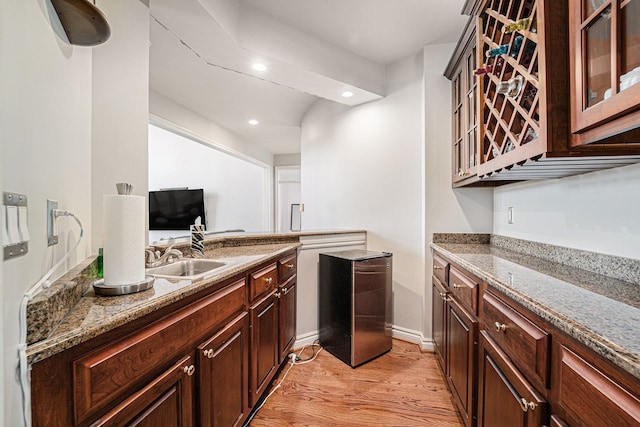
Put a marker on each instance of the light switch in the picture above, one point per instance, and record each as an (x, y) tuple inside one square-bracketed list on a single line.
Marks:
[(23, 225), (5, 234), (12, 225)]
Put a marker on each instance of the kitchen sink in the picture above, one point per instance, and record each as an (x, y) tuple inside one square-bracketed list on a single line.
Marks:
[(186, 268)]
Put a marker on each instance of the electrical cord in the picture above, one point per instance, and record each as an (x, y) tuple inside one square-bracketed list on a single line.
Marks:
[(24, 370), (294, 359)]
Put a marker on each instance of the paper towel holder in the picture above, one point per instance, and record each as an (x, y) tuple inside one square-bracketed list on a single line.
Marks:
[(101, 288)]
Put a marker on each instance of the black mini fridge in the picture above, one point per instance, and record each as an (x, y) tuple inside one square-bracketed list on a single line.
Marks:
[(355, 304)]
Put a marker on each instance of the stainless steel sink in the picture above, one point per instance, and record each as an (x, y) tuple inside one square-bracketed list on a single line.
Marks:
[(186, 268)]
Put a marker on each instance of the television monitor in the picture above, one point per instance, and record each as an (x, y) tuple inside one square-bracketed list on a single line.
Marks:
[(175, 209)]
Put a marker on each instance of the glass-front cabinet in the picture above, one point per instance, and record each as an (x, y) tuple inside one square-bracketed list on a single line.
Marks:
[(605, 64), (464, 106)]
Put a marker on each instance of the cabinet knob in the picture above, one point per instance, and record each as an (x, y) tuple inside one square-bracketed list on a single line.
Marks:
[(500, 326), (438, 267), (444, 296), (189, 370), (289, 265), (208, 353), (526, 406), (456, 286)]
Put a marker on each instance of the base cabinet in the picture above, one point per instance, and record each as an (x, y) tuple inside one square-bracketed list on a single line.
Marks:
[(462, 332), (264, 344), (514, 369), (167, 400), (505, 398), (223, 375), (287, 317), (205, 361)]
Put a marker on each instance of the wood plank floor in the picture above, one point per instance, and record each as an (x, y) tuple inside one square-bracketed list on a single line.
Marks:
[(401, 388)]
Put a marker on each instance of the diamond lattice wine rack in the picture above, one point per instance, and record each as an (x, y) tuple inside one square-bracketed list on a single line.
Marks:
[(523, 68)]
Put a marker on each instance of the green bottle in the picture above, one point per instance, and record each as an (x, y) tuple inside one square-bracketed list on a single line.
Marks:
[(100, 263)]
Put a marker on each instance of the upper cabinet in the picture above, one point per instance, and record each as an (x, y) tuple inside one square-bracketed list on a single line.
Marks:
[(514, 111), (465, 104), (605, 51)]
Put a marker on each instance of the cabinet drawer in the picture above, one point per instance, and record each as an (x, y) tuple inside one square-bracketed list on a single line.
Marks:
[(287, 267), (463, 289), (112, 372), (525, 343), (440, 268), (263, 280), (593, 398)]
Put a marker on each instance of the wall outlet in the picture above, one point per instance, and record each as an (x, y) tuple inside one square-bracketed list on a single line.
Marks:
[(52, 229), (510, 218)]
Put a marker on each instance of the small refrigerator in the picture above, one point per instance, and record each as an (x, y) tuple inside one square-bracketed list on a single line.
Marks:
[(355, 304)]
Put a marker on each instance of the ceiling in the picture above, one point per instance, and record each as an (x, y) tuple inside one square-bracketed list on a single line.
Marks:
[(202, 52)]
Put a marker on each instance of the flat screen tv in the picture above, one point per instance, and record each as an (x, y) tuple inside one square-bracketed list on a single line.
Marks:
[(175, 209)]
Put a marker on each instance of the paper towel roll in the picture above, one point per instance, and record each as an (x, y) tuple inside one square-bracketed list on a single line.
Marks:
[(124, 232)]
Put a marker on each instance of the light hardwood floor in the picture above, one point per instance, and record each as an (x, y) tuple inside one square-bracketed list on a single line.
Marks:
[(401, 388)]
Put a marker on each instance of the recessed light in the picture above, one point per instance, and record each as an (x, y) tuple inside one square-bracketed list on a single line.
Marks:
[(347, 94), (253, 122), (259, 66)]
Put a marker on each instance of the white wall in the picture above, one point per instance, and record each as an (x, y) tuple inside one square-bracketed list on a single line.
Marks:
[(120, 106), (362, 167), (234, 189), (45, 126), (468, 210), (597, 212)]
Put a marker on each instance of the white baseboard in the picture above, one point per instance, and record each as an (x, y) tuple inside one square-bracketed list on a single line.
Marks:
[(412, 336), (306, 339), (396, 331)]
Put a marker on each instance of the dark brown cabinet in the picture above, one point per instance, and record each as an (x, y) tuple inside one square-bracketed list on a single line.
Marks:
[(167, 400), (605, 62), (455, 332), (539, 65), (439, 319), (464, 102), (223, 375), (287, 317), (505, 398), (203, 361), (462, 333), (509, 367), (264, 344)]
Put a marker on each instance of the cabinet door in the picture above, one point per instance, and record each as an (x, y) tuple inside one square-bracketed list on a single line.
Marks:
[(166, 401), (604, 47), (505, 398), (287, 317), (462, 334), (223, 364), (439, 313), (264, 344)]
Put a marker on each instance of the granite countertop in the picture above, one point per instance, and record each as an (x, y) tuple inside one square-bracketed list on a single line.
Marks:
[(599, 311), (93, 315)]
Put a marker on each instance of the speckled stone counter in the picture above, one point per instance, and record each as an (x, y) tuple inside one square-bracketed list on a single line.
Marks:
[(93, 315), (599, 311)]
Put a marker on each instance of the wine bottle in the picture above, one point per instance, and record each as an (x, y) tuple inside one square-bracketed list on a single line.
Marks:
[(520, 25), (497, 51), (484, 70), (515, 47)]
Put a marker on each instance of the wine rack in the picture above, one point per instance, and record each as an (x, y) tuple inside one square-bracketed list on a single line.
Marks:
[(514, 123)]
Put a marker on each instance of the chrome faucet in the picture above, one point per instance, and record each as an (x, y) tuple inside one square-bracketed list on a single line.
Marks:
[(154, 259)]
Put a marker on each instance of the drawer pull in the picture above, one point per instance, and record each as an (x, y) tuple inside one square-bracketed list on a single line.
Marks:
[(444, 296), (189, 370), (208, 353), (289, 265), (500, 326), (268, 279), (438, 267), (456, 286), (526, 406), (278, 294)]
